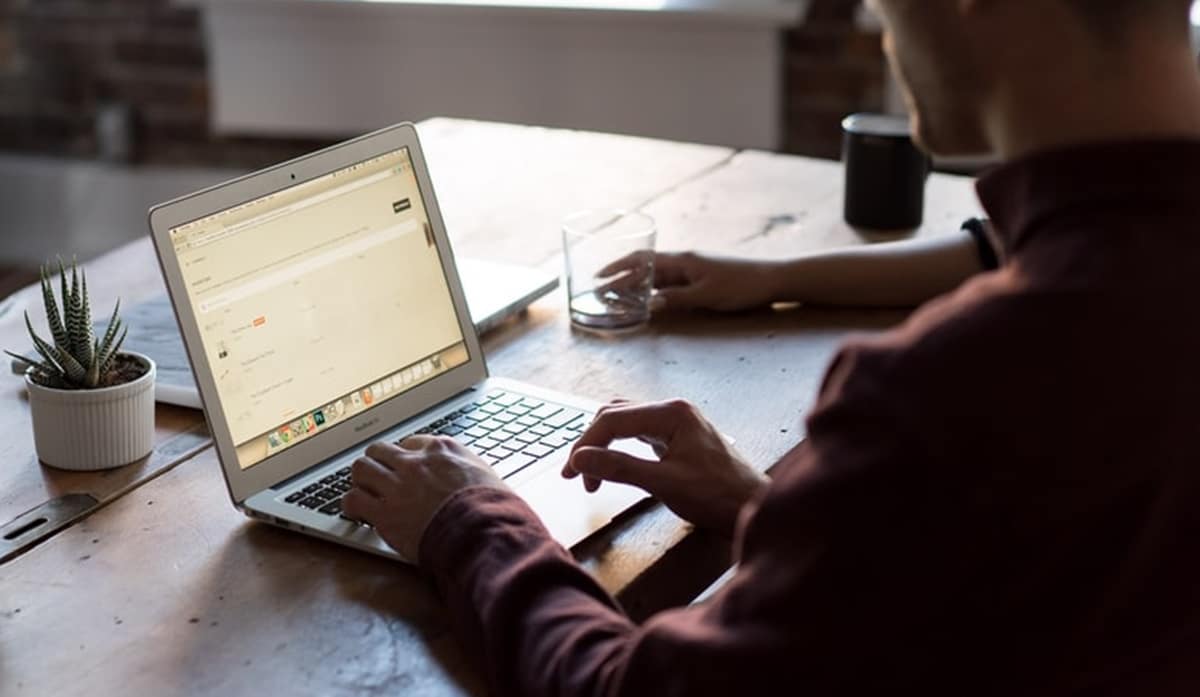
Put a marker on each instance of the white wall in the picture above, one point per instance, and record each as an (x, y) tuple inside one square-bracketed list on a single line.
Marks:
[(292, 67)]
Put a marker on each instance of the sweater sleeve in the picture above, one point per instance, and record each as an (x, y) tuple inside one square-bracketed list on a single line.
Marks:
[(522, 607)]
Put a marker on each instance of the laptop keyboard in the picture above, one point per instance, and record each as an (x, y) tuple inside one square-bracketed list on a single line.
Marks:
[(509, 431)]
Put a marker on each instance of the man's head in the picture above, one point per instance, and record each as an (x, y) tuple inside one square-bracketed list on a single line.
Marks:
[(963, 64)]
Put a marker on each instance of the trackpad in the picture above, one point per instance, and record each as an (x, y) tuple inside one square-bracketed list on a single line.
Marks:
[(569, 512)]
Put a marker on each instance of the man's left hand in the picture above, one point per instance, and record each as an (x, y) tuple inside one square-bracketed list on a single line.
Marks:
[(398, 488)]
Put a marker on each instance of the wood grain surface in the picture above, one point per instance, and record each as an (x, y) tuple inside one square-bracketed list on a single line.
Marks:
[(168, 590)]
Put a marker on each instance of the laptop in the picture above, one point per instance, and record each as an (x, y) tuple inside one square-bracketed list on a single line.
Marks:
[(322, 310)]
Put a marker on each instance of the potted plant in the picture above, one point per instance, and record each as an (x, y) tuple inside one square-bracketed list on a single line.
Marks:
[(92, 404)]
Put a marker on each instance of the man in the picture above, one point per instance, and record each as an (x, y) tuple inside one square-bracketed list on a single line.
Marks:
[(1002, 496)]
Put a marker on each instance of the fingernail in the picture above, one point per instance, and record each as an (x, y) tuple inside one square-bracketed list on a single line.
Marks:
[(657, 303)]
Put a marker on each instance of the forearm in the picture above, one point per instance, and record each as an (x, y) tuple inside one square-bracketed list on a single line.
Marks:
[(538, 623), (892, 274)]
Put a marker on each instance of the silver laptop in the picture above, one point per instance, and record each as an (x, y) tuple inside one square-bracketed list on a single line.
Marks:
[(322, 310)]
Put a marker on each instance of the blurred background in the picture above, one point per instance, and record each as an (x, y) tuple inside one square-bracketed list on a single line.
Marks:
[(109, 106)]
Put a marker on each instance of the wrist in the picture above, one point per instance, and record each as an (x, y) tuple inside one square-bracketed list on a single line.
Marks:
[(783, 280)]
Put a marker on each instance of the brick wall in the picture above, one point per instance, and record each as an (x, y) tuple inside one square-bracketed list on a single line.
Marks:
[(63, 61), (832, 68)]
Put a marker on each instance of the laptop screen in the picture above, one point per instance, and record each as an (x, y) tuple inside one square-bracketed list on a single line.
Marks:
[(319, 302)]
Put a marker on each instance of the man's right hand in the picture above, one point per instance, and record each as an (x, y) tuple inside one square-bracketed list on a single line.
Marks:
[(698, 476), (692, 281)]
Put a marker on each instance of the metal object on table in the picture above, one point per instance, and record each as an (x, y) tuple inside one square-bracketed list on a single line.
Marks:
[(31, 527), (40, 523)]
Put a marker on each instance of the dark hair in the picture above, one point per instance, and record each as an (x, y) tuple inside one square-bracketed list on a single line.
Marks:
[(1113, 16)]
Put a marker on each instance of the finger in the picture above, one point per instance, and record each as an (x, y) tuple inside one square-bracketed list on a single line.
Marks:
[(614, 466), (568, 470), (385, 453), (658, 420), (617, 402), (671, 270), (634, 279), (630, 262), (368, 473), (659, 447), (357, 504), (416, 441), (676, 298)]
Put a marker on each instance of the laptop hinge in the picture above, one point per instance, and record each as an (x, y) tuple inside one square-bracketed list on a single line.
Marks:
[(324, 463)]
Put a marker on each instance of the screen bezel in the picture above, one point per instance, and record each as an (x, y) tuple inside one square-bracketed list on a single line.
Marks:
[(243, 483)]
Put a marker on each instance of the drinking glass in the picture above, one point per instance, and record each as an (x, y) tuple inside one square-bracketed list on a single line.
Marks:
[(609, 257)]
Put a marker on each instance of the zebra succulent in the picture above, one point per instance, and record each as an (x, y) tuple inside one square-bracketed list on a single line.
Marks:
[(77, 359)]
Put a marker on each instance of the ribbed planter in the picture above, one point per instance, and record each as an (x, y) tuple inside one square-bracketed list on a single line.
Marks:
[(94, 429)]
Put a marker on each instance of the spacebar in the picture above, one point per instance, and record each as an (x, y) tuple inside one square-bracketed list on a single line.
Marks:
[(512, 464)]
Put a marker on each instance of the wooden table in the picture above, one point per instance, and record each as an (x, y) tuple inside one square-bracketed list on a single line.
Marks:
[(167, 590)]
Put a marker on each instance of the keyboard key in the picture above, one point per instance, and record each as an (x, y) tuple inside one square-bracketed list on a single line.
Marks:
[(312, 502), (489, 458), (463, 422), (508, 400), (542, 430), (477, 432), (579, 425), (311, 488), (527, 437), (344, 472), (545, 411), (294, 497), (343, 486), (563, 418), (513, 428), (491, 409), (531, 403), (329, 479), (556, 440), (519, 409), (450, 430), (538, 451), (489, 425), (464, 439), (501, 451), (485, 443), (327, 494), (332, 508), (505, 417), (513, 464), (467, 409), (527, 421), (496, 394)]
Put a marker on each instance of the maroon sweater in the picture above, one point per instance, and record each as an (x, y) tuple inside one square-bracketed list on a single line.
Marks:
[(1001, 497)]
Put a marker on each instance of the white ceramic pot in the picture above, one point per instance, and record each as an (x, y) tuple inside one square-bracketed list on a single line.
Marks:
[(94, 429)]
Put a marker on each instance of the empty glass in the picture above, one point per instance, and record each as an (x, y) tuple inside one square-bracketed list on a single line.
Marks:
[(609, 258)]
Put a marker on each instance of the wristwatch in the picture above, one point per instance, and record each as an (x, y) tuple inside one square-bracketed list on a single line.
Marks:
[(978, 229)]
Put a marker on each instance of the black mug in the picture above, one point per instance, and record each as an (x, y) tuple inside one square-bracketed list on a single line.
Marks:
[(885, 173)]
